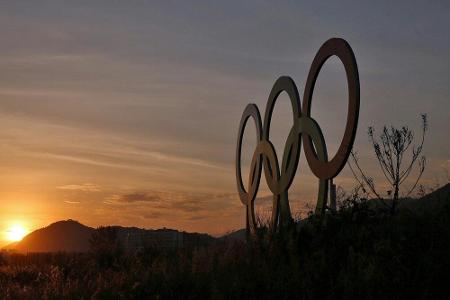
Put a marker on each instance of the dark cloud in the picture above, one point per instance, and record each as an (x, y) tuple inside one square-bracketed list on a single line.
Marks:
[(167, 203), (198, 217), (138, 197), (151, 214)]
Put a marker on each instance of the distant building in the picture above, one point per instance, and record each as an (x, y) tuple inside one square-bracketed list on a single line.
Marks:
[(161, 238), (135, 240)]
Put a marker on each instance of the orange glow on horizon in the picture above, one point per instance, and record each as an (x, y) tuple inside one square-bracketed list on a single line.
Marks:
[(15, 233)]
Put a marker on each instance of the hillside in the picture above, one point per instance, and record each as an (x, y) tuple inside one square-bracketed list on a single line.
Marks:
[(431, 202), (67, 236)]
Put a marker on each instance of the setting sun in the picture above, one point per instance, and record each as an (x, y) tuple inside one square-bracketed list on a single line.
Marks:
[(15, 233)]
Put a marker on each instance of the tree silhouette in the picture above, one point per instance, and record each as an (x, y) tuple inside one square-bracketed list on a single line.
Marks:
[(105, 246), (391, 149)]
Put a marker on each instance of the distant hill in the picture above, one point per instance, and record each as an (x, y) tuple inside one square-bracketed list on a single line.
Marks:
[(239, 234), (67, 236), (72, 236), (432, 202)]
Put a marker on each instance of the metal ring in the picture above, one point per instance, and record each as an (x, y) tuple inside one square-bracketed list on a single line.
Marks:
[(250, 111), (340, 48), (291, 153)]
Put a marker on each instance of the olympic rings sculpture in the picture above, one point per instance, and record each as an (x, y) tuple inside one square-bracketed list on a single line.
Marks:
[(305, 129)]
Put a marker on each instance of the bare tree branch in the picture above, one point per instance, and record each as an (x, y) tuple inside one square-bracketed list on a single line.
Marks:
[(391, 148)]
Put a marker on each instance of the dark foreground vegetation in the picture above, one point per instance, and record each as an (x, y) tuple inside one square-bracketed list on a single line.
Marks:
[(356, 253)]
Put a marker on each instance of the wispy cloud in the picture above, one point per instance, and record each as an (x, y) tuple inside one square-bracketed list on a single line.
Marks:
[(85, 187), (138, 197), (184, 202), (72, 202)]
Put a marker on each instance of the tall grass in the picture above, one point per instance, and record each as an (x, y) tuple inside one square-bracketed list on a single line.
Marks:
[(356, 253)]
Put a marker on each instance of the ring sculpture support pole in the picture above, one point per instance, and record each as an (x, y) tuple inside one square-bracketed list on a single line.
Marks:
[(304, 130)]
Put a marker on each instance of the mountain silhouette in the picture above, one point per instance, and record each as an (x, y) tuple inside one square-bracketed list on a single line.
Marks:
[(239, 234), (66, 236), (432, 202)]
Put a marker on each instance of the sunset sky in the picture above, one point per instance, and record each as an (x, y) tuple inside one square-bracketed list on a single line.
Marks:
[(126, 112)]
